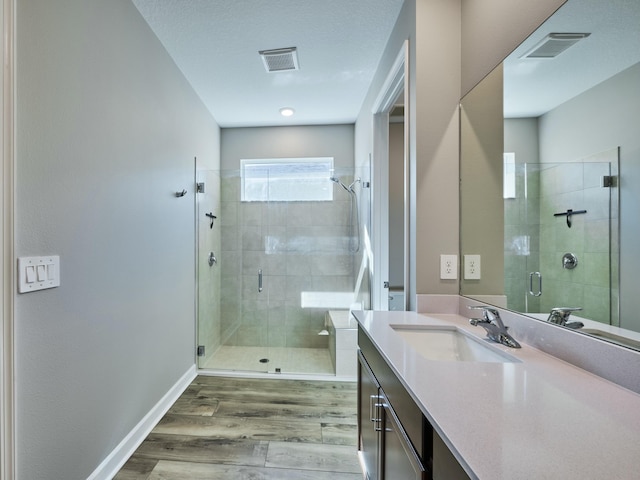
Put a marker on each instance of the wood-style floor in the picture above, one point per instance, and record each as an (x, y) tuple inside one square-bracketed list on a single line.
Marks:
[(259, 429)]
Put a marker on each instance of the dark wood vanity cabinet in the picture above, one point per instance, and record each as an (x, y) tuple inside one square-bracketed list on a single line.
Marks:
[(395, 440), (369, 425)]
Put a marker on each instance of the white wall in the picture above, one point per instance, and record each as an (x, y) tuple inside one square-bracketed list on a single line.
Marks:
[(107, 131), (572, 131)]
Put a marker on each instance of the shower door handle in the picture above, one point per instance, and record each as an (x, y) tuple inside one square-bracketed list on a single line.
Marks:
[(539, 292), (259, 280)]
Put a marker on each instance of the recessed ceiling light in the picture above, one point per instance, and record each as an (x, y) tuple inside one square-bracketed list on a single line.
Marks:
[(287, 111)]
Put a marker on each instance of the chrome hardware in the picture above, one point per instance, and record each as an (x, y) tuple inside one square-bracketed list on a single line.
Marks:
[(385, 284), (539, 292), (259, 280), (492, 323), (569, 261), (181, 194), (375, 407), (560, 316), (212, 259), (200, 187)]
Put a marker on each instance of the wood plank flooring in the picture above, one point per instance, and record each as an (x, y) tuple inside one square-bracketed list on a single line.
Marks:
[(256, 429)]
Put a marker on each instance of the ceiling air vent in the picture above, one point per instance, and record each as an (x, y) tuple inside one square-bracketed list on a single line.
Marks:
[(554, 44), (280, 59)]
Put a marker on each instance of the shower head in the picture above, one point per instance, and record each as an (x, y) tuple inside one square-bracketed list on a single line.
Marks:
[(337, 180)]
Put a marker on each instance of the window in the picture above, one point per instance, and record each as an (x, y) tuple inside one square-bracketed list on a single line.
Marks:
[(286, 179), (509, 175)]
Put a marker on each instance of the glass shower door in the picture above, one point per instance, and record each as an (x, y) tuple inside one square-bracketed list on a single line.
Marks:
[(562, 230), (233, 293)]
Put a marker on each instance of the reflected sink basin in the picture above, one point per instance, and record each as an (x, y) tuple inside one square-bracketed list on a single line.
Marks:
[(450, 344), (612, 337)]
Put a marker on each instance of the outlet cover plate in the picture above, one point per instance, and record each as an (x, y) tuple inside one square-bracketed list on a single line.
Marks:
[(448, 267), (472, 267)]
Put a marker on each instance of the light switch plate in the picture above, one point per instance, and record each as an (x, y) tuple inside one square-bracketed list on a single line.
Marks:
[(38, 273), (472, 267), (448, 267)]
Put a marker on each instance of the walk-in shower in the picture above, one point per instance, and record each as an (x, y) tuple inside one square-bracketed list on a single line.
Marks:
[(281, 266)]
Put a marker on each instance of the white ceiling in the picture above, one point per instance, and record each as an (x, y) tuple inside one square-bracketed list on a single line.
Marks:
[(215, 43), (533, 87)]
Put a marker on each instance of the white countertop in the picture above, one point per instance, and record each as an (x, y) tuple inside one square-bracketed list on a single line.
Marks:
[(540, 418)]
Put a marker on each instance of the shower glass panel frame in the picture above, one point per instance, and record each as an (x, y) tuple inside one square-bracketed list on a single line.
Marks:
[(301, 249), (538, 233)]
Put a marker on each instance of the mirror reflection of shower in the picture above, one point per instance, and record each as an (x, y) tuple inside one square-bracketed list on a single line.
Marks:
[(354, 215)]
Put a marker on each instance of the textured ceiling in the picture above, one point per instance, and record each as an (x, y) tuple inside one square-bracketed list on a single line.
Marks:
[(216, 42), (533, 87)]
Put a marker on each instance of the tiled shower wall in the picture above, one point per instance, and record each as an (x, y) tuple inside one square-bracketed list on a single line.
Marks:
[(578, 186), (300, 247)]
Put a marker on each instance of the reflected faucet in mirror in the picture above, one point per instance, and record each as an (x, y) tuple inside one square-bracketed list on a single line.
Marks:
[(560, 316), (558, 148)]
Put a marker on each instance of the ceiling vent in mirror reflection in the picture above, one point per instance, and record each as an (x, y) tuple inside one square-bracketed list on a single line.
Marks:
[(554, 44)]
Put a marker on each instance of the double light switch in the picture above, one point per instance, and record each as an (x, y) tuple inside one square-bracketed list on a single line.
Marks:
[(38, 273)]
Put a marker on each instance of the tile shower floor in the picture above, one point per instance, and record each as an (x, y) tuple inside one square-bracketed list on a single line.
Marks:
[(288, 360)]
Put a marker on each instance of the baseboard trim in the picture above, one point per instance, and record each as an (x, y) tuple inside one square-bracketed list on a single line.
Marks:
[(118, 457)]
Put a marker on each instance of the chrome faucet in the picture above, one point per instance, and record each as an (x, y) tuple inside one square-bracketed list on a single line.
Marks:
[(560, 316), (492, 323)]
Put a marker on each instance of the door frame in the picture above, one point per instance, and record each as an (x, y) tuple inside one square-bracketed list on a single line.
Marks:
[(7, 278), (397, 81)]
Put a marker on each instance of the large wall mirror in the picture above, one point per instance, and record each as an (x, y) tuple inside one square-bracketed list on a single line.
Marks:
[(550, 174)]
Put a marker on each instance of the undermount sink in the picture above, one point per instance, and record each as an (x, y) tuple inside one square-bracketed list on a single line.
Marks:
[(450, 344), (612, 337)]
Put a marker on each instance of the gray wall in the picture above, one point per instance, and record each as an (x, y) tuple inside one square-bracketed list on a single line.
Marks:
[(481, 172), (453, 45), (492, 29), (107, 131), (396, 205), (617, 104), (434, 88)]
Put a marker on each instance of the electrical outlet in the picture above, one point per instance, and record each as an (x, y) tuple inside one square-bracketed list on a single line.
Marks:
[(448, 267), (472, 267)]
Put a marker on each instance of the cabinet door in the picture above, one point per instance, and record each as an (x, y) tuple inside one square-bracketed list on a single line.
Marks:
[(399, 460), (369, 422)]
